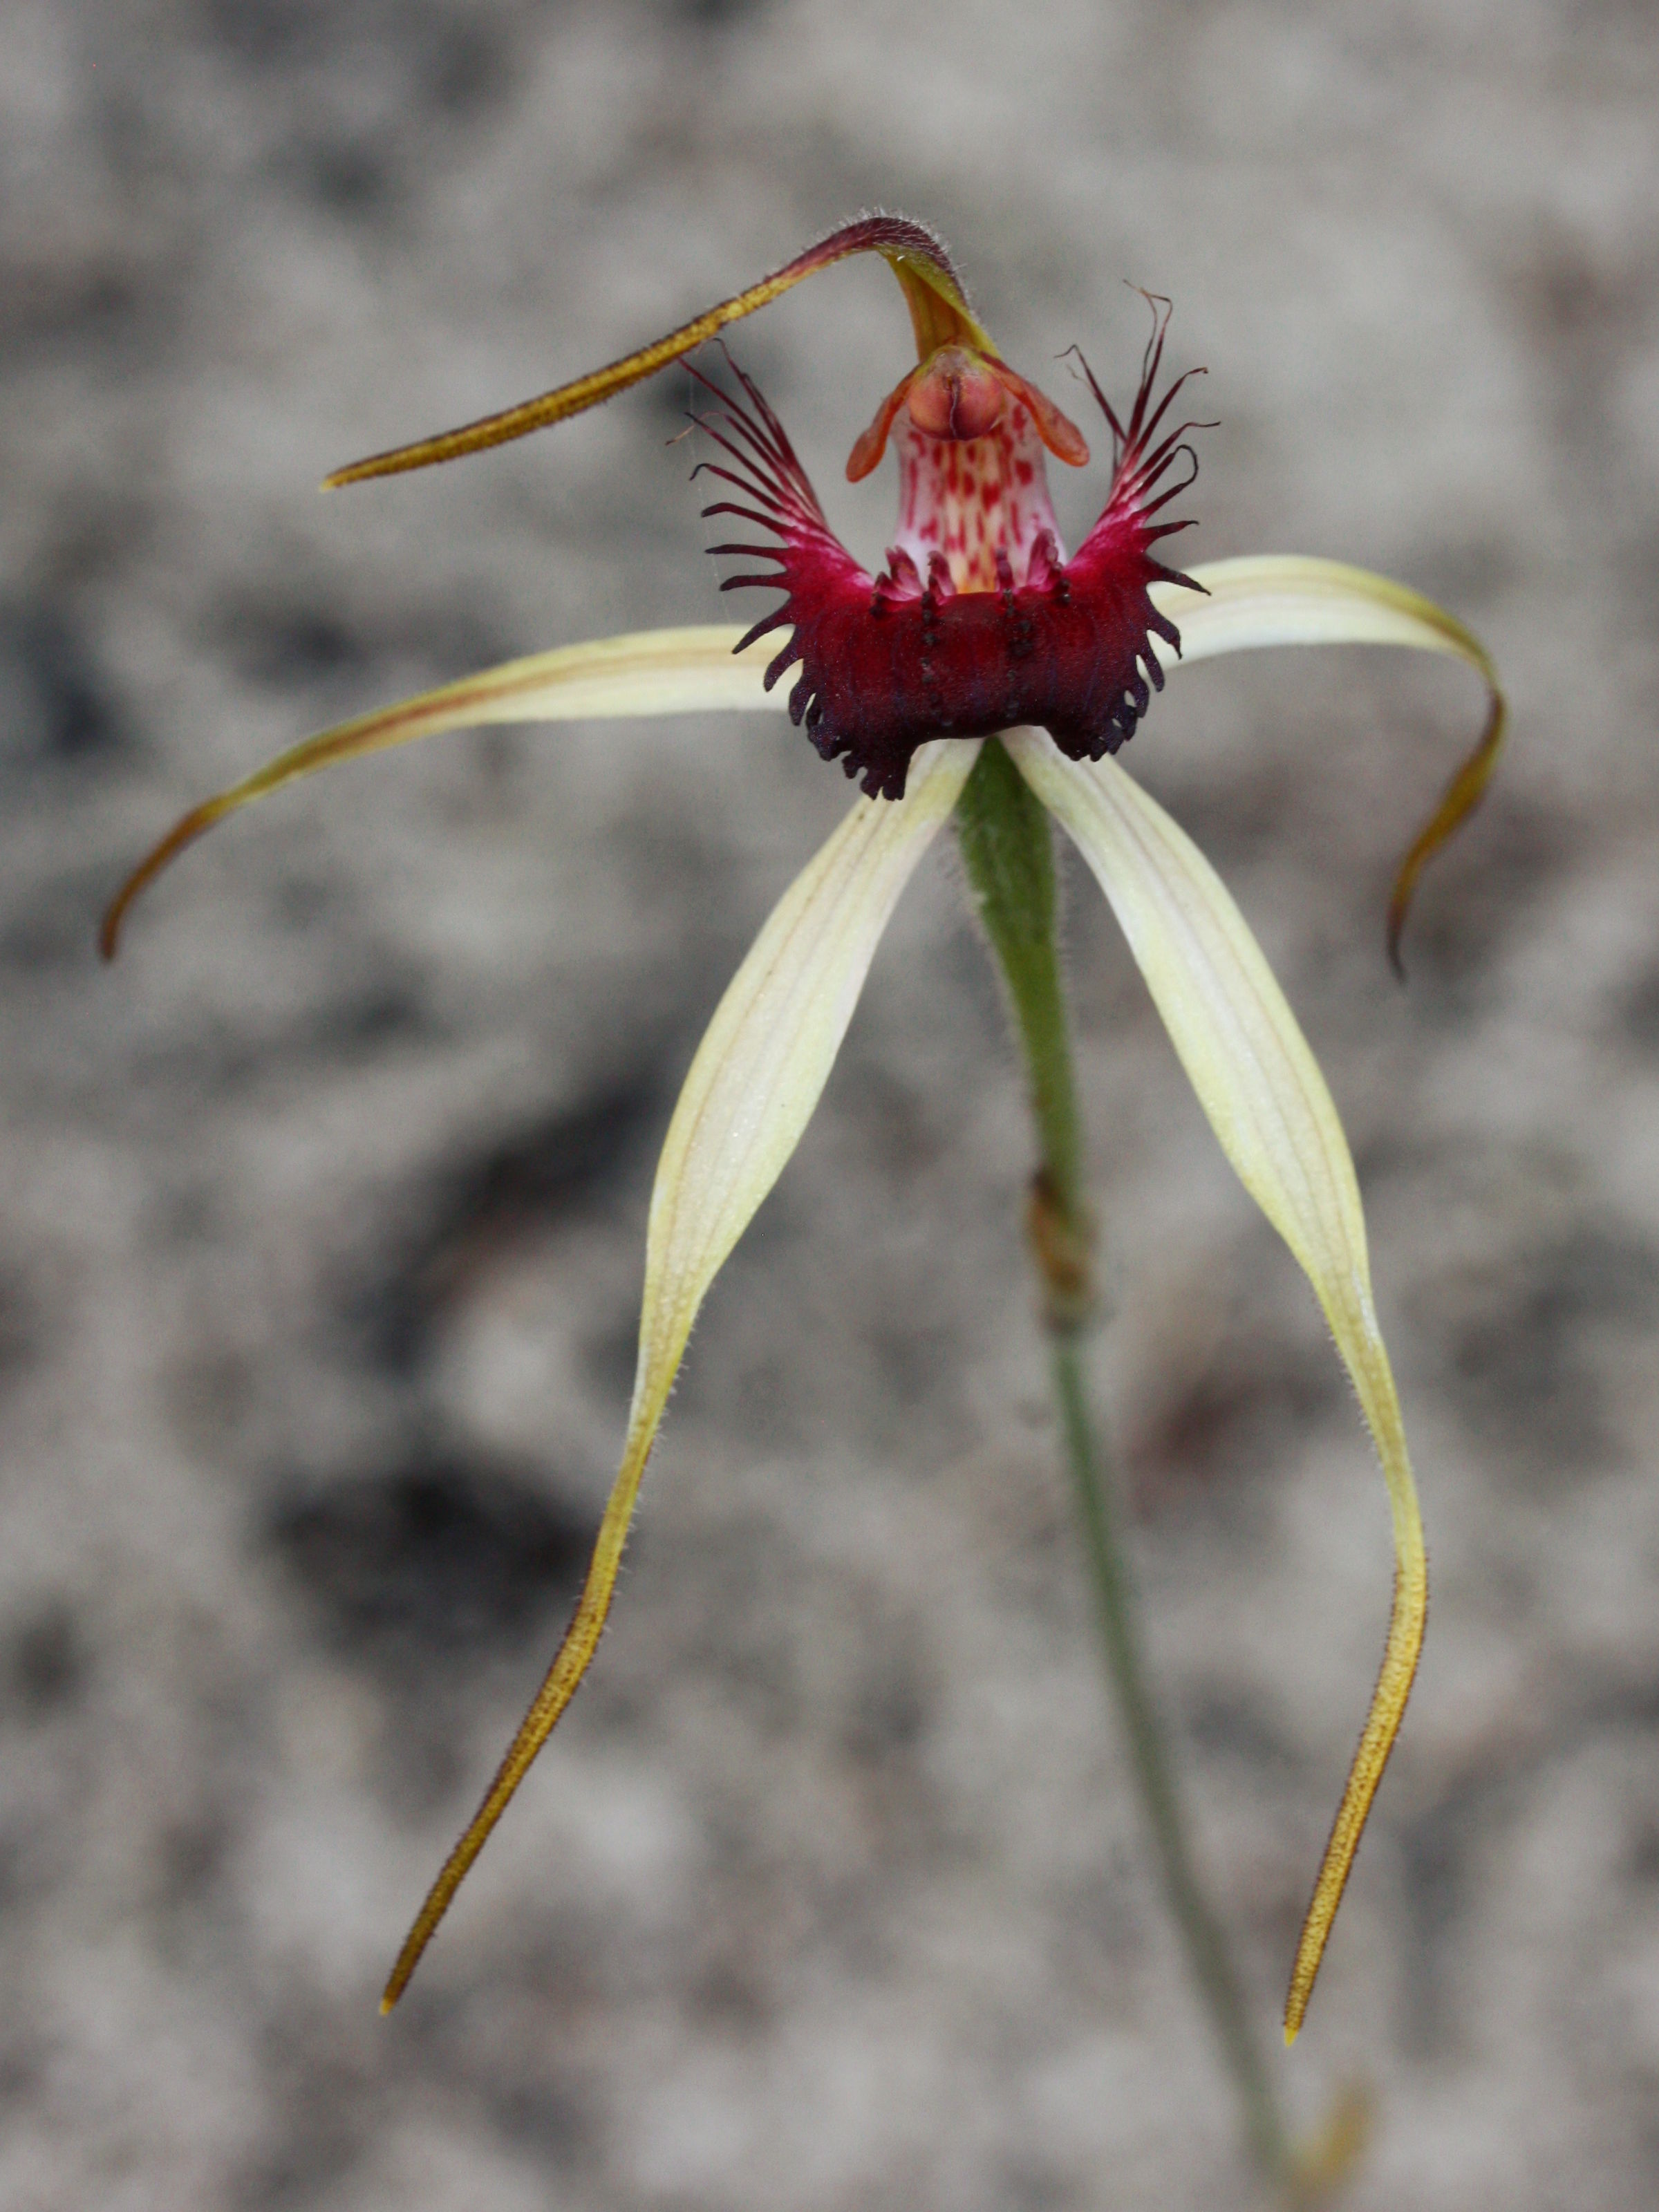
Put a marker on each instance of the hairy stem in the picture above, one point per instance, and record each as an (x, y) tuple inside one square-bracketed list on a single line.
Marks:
[(1007, 850)]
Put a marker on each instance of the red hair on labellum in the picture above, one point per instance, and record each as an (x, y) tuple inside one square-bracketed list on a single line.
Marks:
[(891, 661)]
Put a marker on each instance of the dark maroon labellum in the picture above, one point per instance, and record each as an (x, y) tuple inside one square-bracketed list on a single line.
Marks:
[(887, 663)]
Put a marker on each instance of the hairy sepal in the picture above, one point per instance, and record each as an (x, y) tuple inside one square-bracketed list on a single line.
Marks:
[(1266, 1099), (1293, 599), (752, 1087), (934, 290), (663, 672)]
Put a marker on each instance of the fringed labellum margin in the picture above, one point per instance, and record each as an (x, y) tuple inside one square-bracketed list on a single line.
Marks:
[(978, 624)]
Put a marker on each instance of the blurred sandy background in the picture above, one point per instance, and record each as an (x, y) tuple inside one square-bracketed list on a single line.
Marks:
[(321, 1217)]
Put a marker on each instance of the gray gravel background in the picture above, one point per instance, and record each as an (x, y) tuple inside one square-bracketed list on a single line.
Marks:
[(322, 1215)]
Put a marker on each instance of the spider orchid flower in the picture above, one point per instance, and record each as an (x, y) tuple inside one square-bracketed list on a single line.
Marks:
[(979, 627)]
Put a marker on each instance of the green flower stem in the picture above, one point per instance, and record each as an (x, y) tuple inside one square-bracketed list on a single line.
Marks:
[(1007, 849), (1006, 845), (1207, 1955)]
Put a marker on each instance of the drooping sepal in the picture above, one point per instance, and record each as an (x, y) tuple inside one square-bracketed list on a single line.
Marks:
[(664, 672), (1288, 598), (752, 1087), (1262, 1090)]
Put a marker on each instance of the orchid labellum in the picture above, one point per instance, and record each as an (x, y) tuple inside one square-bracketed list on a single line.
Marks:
[(979, 629)]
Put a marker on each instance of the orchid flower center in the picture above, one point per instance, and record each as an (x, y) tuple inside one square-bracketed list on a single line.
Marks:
[(970, 495), (973, 483)]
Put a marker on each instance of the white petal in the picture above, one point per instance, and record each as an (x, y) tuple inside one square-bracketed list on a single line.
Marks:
[(769, 1051), (757, 1075), (1289, 599), (1269, 1105), (1285, 598), (663, 672)]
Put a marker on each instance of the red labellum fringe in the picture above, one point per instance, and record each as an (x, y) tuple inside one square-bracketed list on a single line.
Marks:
[(888, 662)]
